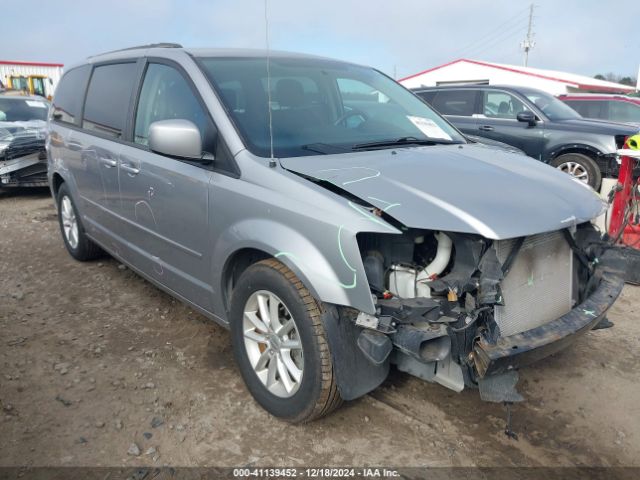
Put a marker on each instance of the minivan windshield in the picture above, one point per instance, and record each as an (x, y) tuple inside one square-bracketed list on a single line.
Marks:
[(20, 109), (319, 106), (553, 108)]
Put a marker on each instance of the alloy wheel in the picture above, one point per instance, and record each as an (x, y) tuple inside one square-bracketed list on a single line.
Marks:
[(576, 170), (273, 343), (69, 222)]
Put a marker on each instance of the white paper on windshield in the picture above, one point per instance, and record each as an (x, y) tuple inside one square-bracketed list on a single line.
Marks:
[(36, 104), (429, 127)]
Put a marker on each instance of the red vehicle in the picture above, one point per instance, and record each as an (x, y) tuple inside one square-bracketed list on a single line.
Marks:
[(624, 228), (614, 108)]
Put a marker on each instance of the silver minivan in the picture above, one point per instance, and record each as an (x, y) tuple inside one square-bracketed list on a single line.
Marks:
[(332, 220)]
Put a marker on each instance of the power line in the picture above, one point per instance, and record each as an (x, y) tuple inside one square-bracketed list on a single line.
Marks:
[(495, 31), (504, 35), (496, 41)]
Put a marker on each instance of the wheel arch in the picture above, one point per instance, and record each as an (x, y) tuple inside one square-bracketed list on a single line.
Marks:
[(235, 265), (585, 149), (601, 163), (56, 181), (355, 374), (330, 267)]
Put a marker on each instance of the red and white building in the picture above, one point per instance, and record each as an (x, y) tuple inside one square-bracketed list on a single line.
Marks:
[(464, 71), (51, 72)]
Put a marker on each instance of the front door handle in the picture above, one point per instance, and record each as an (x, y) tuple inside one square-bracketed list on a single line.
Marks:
[(486, 128), (130, 169), (109, 162), (74, 146)]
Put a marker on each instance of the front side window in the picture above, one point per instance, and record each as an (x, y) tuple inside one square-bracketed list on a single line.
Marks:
[(166, 95), (319, 106), (108, 99), (501, 105), (553, 108)]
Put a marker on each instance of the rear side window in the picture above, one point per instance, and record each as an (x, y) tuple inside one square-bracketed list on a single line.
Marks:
[(108, 99), (588, 108), (455, 102), (68, 97), (427, 96)]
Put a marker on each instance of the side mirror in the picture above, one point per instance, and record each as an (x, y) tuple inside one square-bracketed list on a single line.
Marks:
[(176, 138), (527, 116)]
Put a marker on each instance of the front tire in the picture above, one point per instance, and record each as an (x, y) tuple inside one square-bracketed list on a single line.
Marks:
[(75, 239), (579, 166), (280, 344)]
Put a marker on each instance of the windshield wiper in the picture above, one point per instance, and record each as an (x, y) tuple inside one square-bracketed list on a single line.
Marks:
[(324, 148), (401, 141)]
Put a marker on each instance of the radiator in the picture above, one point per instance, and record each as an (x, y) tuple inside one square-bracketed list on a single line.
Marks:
[(538, 288)]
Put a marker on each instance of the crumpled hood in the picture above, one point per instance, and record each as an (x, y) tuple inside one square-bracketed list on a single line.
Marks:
[(18, 139), (458, 188)]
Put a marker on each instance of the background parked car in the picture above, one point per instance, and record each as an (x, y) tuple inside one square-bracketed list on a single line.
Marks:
[(615, 108), (23, 160), (535, 122)]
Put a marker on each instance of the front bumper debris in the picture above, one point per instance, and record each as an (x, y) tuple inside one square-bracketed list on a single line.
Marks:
[(521, 349), (27, 171)]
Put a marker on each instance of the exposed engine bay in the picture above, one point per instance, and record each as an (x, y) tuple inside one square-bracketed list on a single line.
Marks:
[(444, 298)]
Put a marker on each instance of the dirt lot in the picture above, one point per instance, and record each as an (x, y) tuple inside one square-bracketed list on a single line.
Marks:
[(94, 359)]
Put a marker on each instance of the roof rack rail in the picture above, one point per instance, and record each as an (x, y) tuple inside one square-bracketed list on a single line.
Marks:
[(138, 47)]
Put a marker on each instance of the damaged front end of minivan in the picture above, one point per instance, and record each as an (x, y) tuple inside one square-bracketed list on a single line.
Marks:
[(467, 288), (465, 311)]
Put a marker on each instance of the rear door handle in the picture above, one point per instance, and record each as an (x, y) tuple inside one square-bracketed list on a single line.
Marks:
[(486, 128), (109, 162), (130, 169)]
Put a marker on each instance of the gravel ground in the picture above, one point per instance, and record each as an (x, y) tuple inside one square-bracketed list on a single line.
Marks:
[(100, 368)]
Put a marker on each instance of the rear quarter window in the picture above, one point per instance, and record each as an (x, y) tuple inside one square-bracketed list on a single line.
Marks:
[(108, 99), (624, 111), (67, 99)]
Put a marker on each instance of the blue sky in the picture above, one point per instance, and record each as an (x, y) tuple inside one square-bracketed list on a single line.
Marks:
[(405, 36)]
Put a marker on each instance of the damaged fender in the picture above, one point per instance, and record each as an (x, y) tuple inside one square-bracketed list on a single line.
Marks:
[(335, 275)]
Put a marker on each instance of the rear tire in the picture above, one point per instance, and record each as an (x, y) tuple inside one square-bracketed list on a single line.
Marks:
[(579, 166), (75, 239), (316, 393)]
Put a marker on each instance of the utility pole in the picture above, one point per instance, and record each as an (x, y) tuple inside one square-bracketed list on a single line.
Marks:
[(528, 42)]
